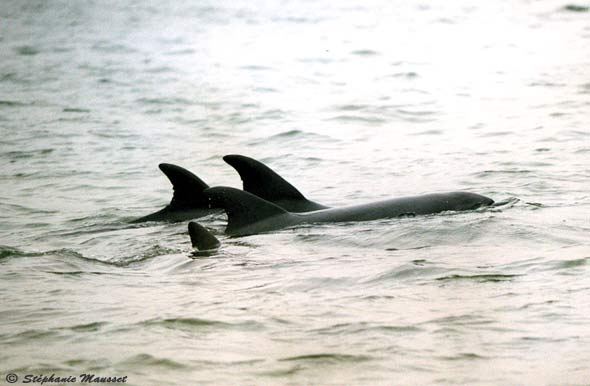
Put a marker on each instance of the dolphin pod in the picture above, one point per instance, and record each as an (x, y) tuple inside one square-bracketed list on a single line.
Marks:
[(268, 202), (189, 202)]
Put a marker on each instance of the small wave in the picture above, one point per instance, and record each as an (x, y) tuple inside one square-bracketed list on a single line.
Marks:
[(365, 52), (482, 278), (289, 134), (254, 67), (165, 101), (9, 252), (576, 8), (11, 103), (198, 324), (353, 328), (6, 252), (357, 118), (75, 273), (463, 356), (460, 320), (151, 253), (179, 323), (327, 358), (29, 336), (14, 155), (75, 110), (351, 107), (26, 50), (281, 373), (90, 327), (561, 265), (429, 132), (149, 361), (404, 272)]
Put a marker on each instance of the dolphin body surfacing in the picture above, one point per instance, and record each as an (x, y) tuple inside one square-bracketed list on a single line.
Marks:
[(188, 201), (248, 214)]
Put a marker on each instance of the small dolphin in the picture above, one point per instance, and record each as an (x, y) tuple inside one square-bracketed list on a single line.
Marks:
[(249, 214)]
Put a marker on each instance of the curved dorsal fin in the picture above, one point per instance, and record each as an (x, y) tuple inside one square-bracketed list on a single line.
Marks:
[(243, 209), (188, 188), (261, 180), (201, 238)]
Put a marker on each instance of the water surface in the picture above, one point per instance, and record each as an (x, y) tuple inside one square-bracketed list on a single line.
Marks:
[(351, 102)]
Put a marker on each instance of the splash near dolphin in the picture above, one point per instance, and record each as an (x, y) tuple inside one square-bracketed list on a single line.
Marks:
[(249, 214)]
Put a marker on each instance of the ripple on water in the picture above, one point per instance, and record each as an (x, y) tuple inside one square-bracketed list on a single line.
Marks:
[(481, 278), (88, 327), (406, 271), (199, 324), (363, 327), (576, 8), (9, 103), (327, 358), (365, 53), (26, 50), (149, 361)]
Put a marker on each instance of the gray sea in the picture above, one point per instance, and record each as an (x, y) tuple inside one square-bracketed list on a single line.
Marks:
[(351, 102)]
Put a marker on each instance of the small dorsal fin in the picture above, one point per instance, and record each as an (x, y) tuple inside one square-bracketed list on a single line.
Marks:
[(188, 188), (201, 238), (243, 209), (261, 180)]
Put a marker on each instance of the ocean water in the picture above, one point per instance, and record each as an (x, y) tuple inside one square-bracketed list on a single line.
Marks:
[(351, 102)]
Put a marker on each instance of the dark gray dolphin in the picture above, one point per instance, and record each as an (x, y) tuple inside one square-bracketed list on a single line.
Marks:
[(201, 238), (248, 214), (265, 183), (188, 201)]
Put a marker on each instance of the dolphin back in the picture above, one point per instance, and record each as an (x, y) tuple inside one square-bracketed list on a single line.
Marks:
[(265, 183), (246, 213), (188, 200)]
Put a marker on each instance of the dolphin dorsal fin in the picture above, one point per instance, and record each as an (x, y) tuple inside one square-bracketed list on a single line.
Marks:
[(261, 180), (201, 238), (242, 208), (188, 188)]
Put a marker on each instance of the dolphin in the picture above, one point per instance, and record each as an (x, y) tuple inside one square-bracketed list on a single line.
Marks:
[(249, 214), (265, 183), (188, 201)]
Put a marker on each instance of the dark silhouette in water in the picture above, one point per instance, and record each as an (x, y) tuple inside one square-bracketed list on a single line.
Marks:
[(201, 238), (188, 201), (248, 214), (265, 183)]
